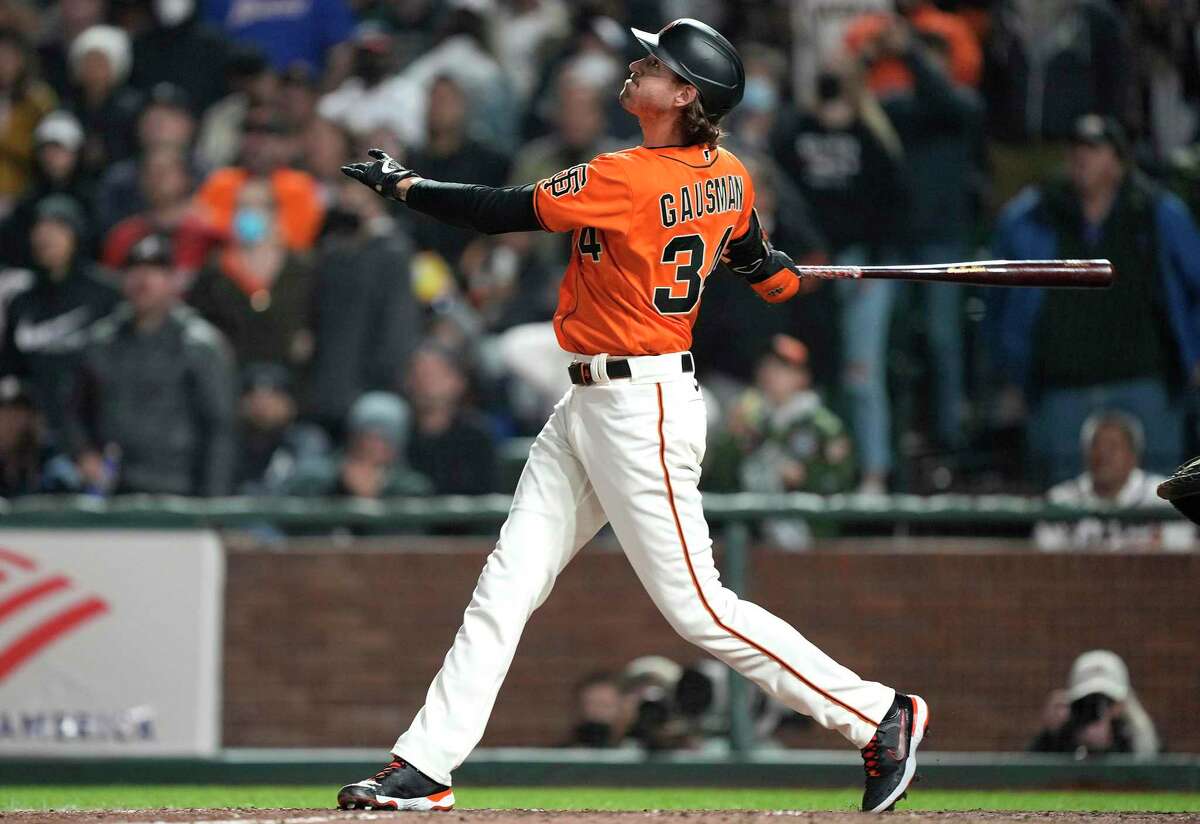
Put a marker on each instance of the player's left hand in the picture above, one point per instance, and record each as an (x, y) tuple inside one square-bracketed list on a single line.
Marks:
[(784, 284), (383, 174)]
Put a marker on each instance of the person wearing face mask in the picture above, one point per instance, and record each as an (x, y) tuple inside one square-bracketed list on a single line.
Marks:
[(750, 124), (267, 154), (180, 49), (257, 291)]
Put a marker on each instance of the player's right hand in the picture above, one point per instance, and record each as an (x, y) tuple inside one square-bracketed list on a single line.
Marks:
[(383, 174)]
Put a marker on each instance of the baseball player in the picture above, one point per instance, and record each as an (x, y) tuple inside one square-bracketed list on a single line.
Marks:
[(624, 445)]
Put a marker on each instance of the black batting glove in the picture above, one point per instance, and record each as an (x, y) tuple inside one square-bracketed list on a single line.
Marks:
[(382, 174)]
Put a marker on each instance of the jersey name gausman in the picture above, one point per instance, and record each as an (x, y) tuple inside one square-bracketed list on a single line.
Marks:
[(704, 197)]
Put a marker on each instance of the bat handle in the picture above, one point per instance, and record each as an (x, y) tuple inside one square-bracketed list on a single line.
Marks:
[(831, 272)]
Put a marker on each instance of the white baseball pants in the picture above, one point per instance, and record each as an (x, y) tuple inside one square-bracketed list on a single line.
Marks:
[(628, 453)]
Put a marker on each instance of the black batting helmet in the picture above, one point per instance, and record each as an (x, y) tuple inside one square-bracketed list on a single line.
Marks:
[(700, 55)]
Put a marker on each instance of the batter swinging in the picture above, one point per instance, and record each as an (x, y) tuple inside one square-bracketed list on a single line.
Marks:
[(624, 446)]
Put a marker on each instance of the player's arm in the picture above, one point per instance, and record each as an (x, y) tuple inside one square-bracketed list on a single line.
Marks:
[(482, 208), (770, 272)]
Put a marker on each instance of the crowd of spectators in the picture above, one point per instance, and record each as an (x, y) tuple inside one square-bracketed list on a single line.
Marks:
[(194, 301)]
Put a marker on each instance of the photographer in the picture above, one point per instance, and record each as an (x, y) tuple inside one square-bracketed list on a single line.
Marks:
[(1098, 713)]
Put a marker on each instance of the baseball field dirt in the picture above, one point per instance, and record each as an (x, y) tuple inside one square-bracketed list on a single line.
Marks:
[(318, 816)]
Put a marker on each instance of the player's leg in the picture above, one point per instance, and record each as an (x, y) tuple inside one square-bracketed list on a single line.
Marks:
[(554, 513), (642, 446)]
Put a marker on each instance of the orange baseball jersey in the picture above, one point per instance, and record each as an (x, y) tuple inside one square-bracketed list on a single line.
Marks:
[(649, 225)]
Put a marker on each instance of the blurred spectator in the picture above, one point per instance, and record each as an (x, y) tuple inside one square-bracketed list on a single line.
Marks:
[(819, 38), (367, 321), (374, 95), (940, 126), (751, 122), (66, 20), (253, 86), (451, 443), (522, 35), (414, 23), (180, 50), (648, 687), (596, 54), (377, 98), (1134, 346), (28, 464), (782, 438), (874, 39), (264, 158), (846, 159), (101, 59), (464, 51), (600, 718), (165, 184), (1098, 713), (327, 147), (58, 141), (271, 444), (298, 98), (46, 327), (24, 100), (165, 121), (154, 399), (372, 465), (1166, 100), (580, 132), (1112, 443), (308, 32), (507, 282), (1046, 63), (257, 291), (451, 154)]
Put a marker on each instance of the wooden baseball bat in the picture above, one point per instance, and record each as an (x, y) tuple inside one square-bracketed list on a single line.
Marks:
[(1078, 274)]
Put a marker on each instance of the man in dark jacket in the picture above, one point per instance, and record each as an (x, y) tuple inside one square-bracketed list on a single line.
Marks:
[(46, 326), (367, 321), (154, 399), (940, 125), (1134, 347)]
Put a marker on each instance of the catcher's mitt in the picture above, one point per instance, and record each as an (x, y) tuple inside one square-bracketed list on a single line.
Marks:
[(1182, 489)]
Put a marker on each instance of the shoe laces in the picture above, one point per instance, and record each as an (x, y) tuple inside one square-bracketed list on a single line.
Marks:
[(397, 764), (870, 754)]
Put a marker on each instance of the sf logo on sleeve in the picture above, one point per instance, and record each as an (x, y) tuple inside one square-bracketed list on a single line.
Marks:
[(567, 182)]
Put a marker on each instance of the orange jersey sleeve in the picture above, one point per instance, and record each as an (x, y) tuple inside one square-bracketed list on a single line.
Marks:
[(595, 194)]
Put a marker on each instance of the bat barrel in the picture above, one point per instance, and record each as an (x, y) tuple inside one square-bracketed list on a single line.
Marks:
[(1085, 274)]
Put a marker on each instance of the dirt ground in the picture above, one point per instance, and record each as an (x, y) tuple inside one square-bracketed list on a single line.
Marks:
[(247, 816)]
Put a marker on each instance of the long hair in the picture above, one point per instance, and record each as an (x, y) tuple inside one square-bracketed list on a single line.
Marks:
[(699, 129)]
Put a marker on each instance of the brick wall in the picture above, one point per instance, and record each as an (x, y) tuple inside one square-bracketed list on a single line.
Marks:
[(327, 647)]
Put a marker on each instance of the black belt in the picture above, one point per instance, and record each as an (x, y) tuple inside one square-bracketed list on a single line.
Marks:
[(581, 371)]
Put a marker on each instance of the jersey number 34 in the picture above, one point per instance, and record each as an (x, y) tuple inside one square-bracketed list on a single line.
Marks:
[(688, 270), (691, 248)]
